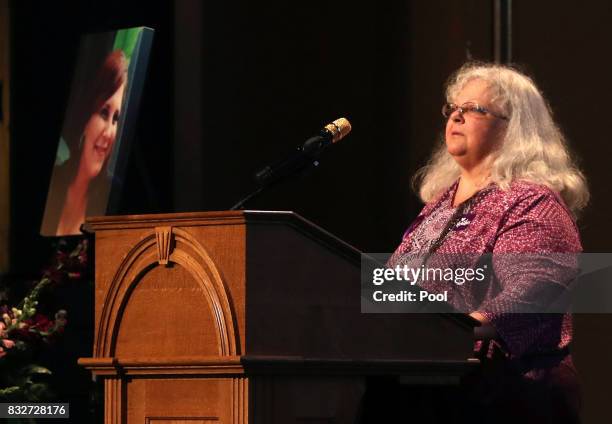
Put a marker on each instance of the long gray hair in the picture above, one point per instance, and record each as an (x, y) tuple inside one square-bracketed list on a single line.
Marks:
[(533, 149)]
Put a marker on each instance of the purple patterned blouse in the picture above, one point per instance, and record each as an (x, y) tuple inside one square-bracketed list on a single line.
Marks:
[(526, 218)]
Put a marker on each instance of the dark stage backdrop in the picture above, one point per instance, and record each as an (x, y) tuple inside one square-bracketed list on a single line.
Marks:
[(235, 85), (566, 47)]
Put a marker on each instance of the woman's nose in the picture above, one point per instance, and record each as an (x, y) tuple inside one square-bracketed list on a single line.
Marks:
[(109, 131), (457, 117)]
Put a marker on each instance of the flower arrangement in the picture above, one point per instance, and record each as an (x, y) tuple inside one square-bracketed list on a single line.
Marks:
[(25, 331)]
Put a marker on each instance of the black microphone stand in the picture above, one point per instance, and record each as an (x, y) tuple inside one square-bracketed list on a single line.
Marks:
[(303, 159), (247, 198)]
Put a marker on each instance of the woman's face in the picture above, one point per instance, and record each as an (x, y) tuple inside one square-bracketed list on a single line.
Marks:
[(471, 137), (99, 134)]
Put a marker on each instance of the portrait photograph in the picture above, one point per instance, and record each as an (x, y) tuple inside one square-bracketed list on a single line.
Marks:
[(95, 137)]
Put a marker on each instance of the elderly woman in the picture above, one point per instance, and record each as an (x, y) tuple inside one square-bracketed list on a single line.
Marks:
[(503, 183)]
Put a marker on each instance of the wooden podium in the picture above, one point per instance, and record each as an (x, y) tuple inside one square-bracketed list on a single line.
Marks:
[(247, 317)]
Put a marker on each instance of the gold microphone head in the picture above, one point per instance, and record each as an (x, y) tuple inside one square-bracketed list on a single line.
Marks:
[(339, 129)]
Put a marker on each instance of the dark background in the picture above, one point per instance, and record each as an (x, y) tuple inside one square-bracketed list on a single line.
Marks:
[(235, 85)]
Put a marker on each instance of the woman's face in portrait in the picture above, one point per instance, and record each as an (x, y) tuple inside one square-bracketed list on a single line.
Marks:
[(99, 134), (472, 136)]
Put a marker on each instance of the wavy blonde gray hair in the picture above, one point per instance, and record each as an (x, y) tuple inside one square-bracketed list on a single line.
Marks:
[(533, 149)]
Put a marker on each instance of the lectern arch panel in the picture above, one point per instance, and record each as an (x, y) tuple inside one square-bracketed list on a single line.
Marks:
[(143, 307)]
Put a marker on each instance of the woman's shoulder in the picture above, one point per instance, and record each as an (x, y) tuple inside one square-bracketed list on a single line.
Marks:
[(538, 209), (522, 197), (523, 189), (537, 220)]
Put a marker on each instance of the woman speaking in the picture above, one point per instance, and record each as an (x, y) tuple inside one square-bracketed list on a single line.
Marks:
[(503, 183)]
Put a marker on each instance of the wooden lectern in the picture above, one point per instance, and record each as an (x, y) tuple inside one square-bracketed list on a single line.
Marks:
[(247, 317)]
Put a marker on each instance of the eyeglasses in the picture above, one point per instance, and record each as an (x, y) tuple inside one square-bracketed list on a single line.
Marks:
[(470, 108)]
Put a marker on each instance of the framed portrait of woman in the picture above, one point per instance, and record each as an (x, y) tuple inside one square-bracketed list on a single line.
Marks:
[(98, 128)]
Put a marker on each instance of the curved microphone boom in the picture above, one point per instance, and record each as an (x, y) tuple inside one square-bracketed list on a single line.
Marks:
[(303, 158)]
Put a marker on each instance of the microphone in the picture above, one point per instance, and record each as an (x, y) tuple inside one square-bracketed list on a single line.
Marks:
[(331, 133), (306, 155), (303, 158)]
